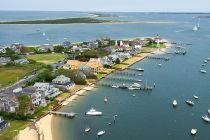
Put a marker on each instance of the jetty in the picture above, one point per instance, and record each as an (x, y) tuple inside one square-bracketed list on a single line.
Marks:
[(123, 79), (64, 114), (158, 58), (124, 73)]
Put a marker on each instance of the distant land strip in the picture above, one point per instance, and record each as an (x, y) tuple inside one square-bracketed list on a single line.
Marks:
[(57, 21)]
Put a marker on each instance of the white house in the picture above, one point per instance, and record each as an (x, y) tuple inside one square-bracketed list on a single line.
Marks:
[(4, 60), (47, 89), (21, 61)]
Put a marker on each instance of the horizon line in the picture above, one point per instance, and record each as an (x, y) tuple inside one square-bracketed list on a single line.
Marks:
[(182, 12)]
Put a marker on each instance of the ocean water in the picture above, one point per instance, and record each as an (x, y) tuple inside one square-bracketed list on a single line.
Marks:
[(148, 115)]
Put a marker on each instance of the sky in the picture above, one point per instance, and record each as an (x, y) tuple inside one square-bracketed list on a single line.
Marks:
[(108, 5)]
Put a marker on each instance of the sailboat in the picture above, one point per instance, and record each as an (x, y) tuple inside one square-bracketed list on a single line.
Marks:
[(197, 27), (105, 100)]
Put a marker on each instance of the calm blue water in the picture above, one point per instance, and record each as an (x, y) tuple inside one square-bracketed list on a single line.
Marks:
[(149, 115)]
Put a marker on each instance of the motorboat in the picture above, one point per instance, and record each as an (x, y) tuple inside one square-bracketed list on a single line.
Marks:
[(134, 95), (140, 74), (140, 69), (131, 88), (43, 34), (93, 112), (160, 65), (208, 59), (87, 129), (189, 102), (105, 99), (115, 86), (100, 133), (123, 86), (206, 118), (136, 85), (205, 61), (139, 80), (202, 71), (196, 97), (174, 103), (195, 28), (193, 131)]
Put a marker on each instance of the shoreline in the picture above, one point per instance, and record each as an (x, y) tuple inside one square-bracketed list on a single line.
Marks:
[(44, 125)]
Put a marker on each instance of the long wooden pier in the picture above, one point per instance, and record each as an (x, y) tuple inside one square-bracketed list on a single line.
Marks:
[(123, 79), (64, 114)]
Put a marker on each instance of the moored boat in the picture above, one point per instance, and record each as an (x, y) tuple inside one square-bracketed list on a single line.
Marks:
[(87, 129), (196, 97), (100, 133), (206, 118), (202, 71), (209, 111), (93, 112), (105, 99), (140, 74), (160, 65), (193, 131), (174, 103), (205, 61), (195, 28), (189, 102), (115, 86), (140, 69)]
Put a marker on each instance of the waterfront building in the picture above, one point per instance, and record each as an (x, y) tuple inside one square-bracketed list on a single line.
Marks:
[(63, 82)]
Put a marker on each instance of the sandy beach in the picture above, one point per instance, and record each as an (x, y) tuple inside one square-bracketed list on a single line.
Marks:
[(40, 131)]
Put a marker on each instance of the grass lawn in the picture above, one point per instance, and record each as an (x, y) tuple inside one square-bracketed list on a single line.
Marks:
[(48, 58), (12, 131), (10, 74)]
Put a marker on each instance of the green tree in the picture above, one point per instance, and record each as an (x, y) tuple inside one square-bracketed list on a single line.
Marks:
[(117, 61), (58, 49), (24, 103)]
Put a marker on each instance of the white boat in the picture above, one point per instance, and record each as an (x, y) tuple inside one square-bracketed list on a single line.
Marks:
[(139, 80), (206, 118), (43, 34), (136, 85), (93, 112), (193, 131), (196, 97), (189, 102), (134, 95), (205, 61), (202, 71), (87, 129), (140, 69), (115, 86), (100, 133), (160, 65), (174, 103), (105, 99), (131, 88), (195, 28), (140, 74), (208, 59)]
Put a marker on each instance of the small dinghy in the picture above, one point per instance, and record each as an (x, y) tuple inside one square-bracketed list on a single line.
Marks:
[(189, 102), (140, 69), (193, 131), (134, 95), (205, 61), (160, 65), (87, 129), (196, 97), (206, 118), (202, 71), (174, 103), (100, 133), (140, 74)]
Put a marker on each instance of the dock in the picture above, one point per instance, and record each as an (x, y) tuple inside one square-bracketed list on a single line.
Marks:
[(158, 58), (70, 115), (123, 79)]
